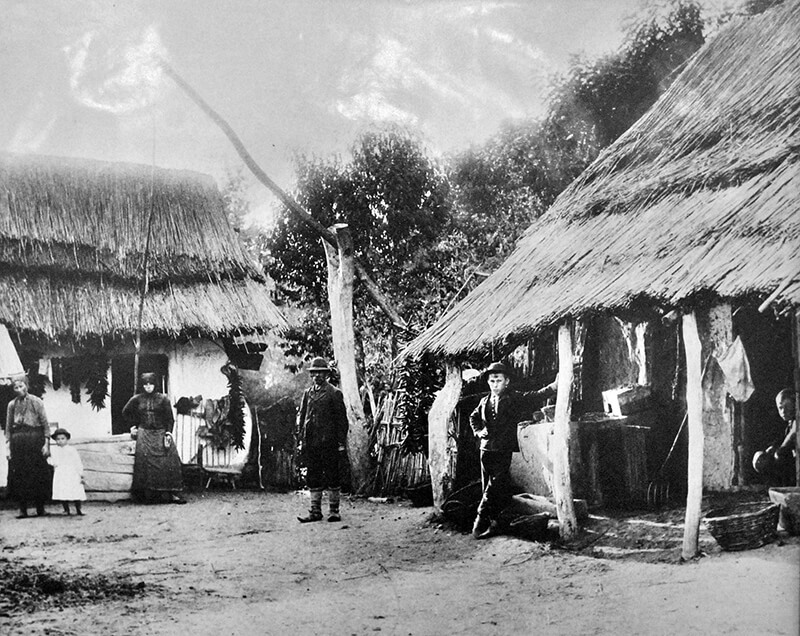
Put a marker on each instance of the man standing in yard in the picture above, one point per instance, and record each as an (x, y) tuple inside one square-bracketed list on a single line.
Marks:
[(322, 436), (495, 421)]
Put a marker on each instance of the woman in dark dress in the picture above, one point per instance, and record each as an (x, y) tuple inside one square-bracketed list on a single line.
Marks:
[(157, 465), (28, 434)]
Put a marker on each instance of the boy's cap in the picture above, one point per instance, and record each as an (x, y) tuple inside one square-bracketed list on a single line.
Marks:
[(61, 431), (497, 367)]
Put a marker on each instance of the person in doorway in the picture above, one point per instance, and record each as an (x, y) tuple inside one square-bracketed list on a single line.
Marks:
[(777, 462), (156, 466), (494, 421), (27, 433), (322, 438), (68, 472)]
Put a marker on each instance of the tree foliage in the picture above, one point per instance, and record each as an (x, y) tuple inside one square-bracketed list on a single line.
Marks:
[(396, 201), (611, 92), (502, 186)]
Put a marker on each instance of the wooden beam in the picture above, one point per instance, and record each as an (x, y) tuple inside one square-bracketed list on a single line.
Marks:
[(293, 206), (340, 297), (796, 352), (562, 485), (694, 409), (438, 433)]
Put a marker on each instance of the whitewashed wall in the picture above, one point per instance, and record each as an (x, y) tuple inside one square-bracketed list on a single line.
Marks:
[(81, 420), (194, 369)]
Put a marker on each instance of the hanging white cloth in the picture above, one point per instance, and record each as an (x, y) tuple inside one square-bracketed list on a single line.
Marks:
[(10, 364), (46, 368), (736, 367)]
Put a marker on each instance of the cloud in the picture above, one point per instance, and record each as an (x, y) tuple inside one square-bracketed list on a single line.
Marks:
[(114, 75)]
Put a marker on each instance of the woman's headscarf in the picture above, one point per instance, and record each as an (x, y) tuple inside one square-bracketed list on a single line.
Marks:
[(148, 378)]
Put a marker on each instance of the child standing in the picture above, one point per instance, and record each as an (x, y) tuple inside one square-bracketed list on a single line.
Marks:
[(68, 474), (494, 422)]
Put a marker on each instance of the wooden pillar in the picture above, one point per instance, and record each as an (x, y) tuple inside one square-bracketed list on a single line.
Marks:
[(796, 352), (340, 297), (438, 419), (562, 485), (694, 407)]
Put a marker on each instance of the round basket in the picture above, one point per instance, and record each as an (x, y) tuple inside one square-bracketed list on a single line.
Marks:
[(462, 505), (743, 527)]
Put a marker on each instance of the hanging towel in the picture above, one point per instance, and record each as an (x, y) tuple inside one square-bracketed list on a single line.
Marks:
[(46, 368), (736, 367), (9, 360)]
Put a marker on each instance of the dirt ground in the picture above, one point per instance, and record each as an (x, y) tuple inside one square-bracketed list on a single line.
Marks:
[(239, 563)]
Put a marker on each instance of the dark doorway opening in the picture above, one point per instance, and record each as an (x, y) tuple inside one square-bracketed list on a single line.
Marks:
[(122, 383), (768, 344)]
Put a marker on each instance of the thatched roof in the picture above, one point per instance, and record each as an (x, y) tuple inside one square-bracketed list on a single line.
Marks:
[(701, 197), (72, 243)]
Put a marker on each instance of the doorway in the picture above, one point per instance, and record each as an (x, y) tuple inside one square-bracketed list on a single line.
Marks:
[(122, 383)]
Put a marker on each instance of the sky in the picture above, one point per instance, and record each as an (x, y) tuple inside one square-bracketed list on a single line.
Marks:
[(291, 77)]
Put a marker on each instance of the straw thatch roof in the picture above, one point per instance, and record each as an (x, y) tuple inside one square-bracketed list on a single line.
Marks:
[(701, 197), (72, 244)]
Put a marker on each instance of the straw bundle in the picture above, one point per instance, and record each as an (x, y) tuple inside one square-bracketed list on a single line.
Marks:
[(699, 198)]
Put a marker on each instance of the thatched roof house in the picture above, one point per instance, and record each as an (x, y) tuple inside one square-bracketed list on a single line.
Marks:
[(72, 243), (696, 208), (701, 197)]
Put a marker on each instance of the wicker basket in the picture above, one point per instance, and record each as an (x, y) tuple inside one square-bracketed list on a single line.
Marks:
[(745, 526)]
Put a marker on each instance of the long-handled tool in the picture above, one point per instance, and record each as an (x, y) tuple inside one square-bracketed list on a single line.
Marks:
[(658, 489)]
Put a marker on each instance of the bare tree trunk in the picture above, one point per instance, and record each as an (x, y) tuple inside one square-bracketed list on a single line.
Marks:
[(562, 484), (293, 206), (340, 297), (438, 420), (694, 409)]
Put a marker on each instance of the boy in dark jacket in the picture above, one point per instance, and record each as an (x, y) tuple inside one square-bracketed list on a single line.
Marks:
[(495, 421), (322, 434)]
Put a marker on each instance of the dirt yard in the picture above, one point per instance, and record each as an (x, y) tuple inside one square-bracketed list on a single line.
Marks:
[(239, 563)]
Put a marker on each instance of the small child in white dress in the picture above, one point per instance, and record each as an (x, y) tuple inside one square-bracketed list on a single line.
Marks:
[(68, 474)]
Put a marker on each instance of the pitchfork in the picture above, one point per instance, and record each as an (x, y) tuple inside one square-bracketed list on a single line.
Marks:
[(658, 490)]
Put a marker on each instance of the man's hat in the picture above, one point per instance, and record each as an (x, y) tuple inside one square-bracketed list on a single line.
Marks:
[(61, 431), (319, 364), (497, 367)]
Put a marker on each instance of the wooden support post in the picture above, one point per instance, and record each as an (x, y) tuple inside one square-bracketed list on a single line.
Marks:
[(438, 420), (694, 408), (340, 297), (562, 484), (796, 352)]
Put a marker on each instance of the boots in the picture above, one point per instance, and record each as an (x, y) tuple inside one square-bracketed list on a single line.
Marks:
[(333, 502), (78, 510), (23, 510), (315, 512), (65, 506)]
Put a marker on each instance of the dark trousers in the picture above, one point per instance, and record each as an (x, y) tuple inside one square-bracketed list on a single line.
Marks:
[(496, 480), (322, 468)]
